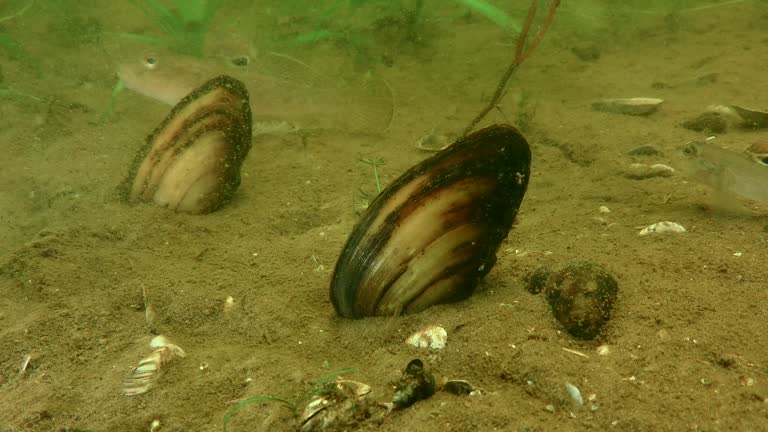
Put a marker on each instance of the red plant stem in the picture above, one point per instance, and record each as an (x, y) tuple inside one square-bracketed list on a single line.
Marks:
[(521, 54), (541, 32), (523, 36)]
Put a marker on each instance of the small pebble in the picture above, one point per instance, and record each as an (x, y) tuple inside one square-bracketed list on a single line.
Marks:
[(574, 393)]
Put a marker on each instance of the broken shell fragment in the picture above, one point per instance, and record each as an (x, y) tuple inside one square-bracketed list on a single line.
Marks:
[(146, 374), (433, 142), (343, 404), (416, 384), (638, 171), (191, 162), (639, 106), (432, 235), (581, 296), (433, 337), (662, 227)]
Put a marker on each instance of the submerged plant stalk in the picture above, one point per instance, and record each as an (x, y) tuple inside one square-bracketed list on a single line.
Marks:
[(522, 52)]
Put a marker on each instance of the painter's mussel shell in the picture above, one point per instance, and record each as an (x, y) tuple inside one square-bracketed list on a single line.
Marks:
[(191, 162), (581, 296), (432, 235)]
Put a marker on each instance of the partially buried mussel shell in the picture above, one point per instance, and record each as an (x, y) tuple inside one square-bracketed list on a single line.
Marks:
[(432, 235), (191, 162)]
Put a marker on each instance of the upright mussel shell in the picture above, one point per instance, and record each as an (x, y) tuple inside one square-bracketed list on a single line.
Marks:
[(191, 162), (432, 235)]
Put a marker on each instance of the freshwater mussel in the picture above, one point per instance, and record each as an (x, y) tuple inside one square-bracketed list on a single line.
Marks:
[(432, 235), (191, 162)]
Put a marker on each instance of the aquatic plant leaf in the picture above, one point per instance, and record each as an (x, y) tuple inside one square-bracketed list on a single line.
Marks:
[(12, 48), (491, 12), (186, 25)]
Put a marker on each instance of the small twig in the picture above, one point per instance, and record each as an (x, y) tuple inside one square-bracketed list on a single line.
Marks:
[(521, 54), (25, 360), (578, 353), (540, 34)]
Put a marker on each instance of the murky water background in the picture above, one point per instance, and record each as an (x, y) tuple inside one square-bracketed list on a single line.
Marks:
[(686, 342)]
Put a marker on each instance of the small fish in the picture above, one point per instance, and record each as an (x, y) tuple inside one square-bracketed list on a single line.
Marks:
[(758, 151), (285, 89), (726, 171)]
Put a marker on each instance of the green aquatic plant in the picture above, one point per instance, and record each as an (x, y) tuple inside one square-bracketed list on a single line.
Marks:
[(10, 46), (117, 90), (321, 386), (364, 27), (375, 164), (365, 196), (492, 13), (185, 25)]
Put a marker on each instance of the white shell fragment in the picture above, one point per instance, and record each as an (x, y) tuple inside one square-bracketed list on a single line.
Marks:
[(574, 393), (631, 106), (144, 376), (662, 227), (638, 171), (433, 337)]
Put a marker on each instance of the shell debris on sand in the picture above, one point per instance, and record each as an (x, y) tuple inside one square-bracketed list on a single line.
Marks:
[(144, 376), (345, 403), (433, 337), (639, 171), (639, 106), (662, 227)]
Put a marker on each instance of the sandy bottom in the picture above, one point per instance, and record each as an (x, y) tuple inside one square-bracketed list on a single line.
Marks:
[(686, 345)]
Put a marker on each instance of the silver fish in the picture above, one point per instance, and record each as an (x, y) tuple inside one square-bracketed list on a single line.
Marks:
[(286, 90), (726, 171)]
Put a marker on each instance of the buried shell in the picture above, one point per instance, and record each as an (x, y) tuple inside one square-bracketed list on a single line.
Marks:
[(191, 162), (432, 235)]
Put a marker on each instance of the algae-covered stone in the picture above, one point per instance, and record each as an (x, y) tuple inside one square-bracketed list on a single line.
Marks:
[(581, 296)]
